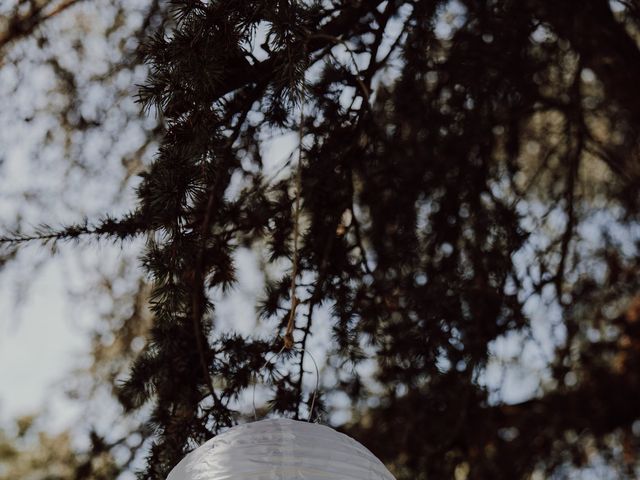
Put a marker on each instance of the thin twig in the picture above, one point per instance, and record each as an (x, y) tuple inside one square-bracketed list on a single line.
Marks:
[(23, 26), (288, 336), (574, 157)]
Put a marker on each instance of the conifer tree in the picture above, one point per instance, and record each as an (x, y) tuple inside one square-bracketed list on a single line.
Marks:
[(456, 160)]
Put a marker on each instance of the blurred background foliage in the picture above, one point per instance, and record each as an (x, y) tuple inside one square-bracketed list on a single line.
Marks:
[(469, 228)]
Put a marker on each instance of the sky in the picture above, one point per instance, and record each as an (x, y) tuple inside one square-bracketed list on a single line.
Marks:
[(38, 346), (44, 329)]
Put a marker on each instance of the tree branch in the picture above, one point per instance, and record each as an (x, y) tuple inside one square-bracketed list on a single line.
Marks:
[(21, 26)]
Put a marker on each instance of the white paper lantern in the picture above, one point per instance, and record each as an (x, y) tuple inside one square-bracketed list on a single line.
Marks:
[(280, 449)]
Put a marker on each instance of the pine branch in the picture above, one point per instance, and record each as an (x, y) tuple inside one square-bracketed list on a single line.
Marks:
[(110, 227)]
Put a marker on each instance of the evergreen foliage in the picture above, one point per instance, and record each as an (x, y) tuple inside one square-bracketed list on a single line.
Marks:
[(457, 158)]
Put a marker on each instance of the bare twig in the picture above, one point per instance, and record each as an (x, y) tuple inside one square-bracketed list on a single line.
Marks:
[(22, 26), (288, 336)]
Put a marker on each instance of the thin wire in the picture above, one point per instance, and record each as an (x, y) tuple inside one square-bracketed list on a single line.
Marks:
[(315, 391)]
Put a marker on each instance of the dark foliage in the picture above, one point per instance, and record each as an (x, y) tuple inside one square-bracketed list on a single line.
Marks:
[(455, 156)]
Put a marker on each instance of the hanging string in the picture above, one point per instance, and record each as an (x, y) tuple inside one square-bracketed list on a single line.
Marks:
[(288, 335), (315, 390)]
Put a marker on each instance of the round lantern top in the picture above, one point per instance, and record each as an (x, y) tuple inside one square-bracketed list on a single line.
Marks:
[(280, 449)]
